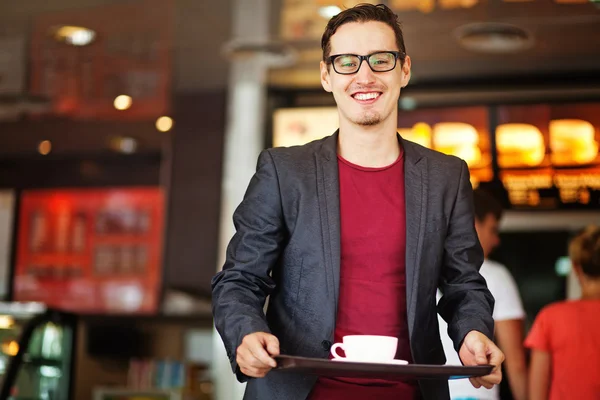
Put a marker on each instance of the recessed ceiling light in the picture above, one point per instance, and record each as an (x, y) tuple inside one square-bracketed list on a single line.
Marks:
[(124, 144), (493, 37), (164, 124), (74, 35), (329, 11), (45, 147), (122, 102)]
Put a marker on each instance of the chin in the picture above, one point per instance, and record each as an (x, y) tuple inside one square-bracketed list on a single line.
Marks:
[(368, 119)]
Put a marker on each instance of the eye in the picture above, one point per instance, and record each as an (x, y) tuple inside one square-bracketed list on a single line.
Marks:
[(381, 59), (346, 62)]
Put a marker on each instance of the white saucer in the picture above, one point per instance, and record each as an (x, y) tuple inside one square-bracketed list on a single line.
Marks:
[(389, 362)]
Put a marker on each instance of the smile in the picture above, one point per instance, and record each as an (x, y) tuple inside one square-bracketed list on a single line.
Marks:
[(367, 97)]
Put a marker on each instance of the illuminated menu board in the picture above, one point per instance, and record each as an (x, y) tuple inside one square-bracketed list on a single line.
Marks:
[(461, 131), (548, 155), (458, 131), (298, 126)]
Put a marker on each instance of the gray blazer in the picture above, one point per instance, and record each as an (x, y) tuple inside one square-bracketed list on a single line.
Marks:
[(287, 246)]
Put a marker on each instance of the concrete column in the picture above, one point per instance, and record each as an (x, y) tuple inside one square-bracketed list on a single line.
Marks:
[(244, 138)]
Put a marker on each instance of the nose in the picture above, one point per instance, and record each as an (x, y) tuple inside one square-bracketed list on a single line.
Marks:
[(365, 75)]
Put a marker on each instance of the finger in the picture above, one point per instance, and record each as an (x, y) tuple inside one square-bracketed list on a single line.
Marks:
[(260, 354), (494, 378), (255, 362), (475, 383), (272, 345), (487, 385), (496, 358), (489, 381), (246, 359), (481, 381), (250, 366), (253, 372), (479, 353), (254, 344)]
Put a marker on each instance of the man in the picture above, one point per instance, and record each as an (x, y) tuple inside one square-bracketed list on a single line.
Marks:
[(352, 234), (508, 310)]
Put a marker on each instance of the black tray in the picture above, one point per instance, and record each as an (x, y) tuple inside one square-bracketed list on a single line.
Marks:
[(346, 369)]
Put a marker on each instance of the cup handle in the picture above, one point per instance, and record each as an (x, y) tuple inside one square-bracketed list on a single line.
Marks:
[(334, 352)]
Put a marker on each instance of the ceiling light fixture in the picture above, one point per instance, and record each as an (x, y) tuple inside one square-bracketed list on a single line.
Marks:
[(74, 35), (328, 12), (493, 37)]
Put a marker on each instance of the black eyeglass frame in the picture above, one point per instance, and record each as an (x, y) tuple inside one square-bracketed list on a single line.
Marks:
[(397, 55)]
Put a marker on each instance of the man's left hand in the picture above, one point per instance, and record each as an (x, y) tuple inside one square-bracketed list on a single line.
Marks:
[(478, 349)]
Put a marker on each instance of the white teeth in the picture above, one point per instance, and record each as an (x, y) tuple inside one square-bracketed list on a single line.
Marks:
[(366, 96)]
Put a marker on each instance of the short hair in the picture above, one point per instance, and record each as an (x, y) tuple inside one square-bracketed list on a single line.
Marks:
[(584, 251), (485, 204), (362, 13)]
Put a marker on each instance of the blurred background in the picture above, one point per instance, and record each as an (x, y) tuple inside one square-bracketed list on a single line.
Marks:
[(129, 131)]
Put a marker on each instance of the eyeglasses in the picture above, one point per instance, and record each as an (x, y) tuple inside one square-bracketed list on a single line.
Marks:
[(383, 61)]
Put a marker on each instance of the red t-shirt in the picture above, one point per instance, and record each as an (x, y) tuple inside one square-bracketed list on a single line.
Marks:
[(570, 332), (372, 299)]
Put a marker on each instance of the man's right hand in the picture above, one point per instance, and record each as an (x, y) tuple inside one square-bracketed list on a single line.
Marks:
[(255, 355)]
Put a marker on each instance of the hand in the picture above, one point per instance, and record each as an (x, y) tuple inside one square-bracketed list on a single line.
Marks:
[(478, 349), (254, 355)]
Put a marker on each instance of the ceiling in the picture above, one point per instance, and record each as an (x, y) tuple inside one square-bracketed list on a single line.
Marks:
[(566, 39), (201, 29)]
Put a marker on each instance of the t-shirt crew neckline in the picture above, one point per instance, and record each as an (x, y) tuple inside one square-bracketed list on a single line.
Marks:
[(372, 169)]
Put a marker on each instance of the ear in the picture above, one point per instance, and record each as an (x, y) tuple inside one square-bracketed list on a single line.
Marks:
[(405, 72), (325, 78)]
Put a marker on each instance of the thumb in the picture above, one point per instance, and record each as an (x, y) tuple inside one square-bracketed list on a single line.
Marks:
[(272, 345)]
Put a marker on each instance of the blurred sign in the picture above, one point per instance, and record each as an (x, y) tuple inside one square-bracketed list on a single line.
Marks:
[(96, 251), (130, 54), (12, 65), (298, 126)]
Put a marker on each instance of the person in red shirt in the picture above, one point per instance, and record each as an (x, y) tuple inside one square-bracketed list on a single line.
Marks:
[(353, 234), (565, 337)]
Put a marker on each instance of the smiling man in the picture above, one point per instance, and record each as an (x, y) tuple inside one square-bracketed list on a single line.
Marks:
[(352, 234)]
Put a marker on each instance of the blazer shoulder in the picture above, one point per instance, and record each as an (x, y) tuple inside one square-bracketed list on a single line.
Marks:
[(297, 155)]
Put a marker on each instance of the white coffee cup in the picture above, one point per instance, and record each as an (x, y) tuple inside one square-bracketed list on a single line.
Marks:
[(367, 348)]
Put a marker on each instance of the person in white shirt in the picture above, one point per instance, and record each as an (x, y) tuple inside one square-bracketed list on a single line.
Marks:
[(508, 311)]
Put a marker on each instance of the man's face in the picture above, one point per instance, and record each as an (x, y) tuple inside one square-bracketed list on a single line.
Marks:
[(365, 98), (487, 230)]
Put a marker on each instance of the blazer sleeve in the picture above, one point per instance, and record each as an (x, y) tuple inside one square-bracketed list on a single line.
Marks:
[(466, 303), (239, 291)]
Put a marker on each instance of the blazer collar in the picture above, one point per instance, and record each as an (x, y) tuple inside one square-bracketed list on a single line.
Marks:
[(412, 152)]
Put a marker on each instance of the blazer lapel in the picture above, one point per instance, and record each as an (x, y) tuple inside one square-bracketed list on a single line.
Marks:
[(328, 190), (415, 186)]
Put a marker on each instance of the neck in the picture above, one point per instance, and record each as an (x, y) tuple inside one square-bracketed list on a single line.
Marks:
[(369, 146), (590, 288)]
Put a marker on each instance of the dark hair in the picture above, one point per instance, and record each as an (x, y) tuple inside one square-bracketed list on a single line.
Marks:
[(362, 13), (486, 204), (584, 251)]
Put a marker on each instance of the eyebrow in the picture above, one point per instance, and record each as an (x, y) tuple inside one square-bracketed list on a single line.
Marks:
[(369, 52)]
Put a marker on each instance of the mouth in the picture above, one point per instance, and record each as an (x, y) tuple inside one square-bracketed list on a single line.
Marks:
[(366, 97)]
